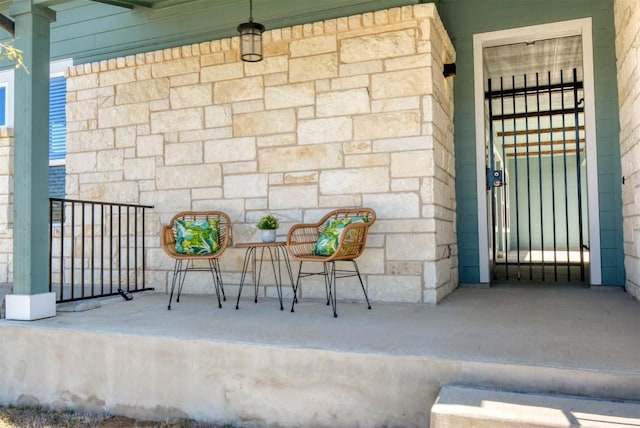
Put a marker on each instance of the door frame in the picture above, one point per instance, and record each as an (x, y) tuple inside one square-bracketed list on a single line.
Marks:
[(576, 27)]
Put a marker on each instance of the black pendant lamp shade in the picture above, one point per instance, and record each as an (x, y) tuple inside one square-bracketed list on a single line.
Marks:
[(251, 38)]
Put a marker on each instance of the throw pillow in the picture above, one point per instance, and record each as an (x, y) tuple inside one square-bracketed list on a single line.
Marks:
[(330, 237), (198, 237)]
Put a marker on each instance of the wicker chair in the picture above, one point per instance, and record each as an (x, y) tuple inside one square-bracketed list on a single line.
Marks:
[(301, 244), (186, 262)]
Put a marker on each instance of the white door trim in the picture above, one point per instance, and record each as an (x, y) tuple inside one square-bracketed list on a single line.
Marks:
[(581, 27)]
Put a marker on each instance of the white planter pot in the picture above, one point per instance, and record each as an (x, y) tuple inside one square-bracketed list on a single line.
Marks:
[(268, 235)]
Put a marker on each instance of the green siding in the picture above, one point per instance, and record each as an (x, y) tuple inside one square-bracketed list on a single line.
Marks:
[(463, 19)]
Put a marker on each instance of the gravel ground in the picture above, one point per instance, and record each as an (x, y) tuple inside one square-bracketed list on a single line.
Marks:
[(38, 417)]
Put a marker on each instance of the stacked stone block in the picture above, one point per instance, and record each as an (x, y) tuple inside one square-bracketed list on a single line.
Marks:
[(627, 22), (352, 111), (6, 205)]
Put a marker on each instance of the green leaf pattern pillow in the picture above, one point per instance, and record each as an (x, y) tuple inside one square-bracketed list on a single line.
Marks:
[(199, 237), (328, 241)]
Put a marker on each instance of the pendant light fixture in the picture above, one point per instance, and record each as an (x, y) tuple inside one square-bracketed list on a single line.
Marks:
[(251, 38)]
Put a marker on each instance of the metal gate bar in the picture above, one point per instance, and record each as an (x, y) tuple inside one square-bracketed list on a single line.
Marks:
[(525, 110)]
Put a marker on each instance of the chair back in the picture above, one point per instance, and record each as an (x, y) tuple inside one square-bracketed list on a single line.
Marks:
[(168, 236)]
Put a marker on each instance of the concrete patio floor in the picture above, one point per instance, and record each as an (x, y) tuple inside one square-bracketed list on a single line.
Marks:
[(566, 340)]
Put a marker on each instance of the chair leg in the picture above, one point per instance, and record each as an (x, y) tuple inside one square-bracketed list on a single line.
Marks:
[(330, 278), (219, 277), (295, 288), (327, 282), (355, 265), (177, 270), (217, 280), (183, 276)]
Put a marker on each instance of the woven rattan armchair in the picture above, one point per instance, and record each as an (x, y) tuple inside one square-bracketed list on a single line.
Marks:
[(220, 234), (302, 244)]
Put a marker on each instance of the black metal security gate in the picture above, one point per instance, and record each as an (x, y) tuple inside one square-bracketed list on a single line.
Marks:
[(536, 177)]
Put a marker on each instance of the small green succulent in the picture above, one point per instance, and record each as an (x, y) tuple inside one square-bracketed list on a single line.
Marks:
[(268, 222)]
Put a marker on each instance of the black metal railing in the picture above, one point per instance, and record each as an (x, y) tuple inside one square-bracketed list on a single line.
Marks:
[(96, 249)]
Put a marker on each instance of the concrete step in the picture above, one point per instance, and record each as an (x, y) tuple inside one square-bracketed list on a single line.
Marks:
[(464, 406)]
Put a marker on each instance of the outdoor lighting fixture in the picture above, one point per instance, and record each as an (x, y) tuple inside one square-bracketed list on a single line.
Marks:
[(449, 69), (251, 38)]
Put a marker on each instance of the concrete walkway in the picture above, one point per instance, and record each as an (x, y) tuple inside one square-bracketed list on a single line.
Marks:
[(392, 360)]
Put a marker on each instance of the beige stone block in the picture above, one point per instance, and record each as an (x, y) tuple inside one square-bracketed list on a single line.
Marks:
[(183, 153), (313, 67), (264, 123), (402, 83), (276, 79), (116, 77), (406, 185), (229, 91), (93, 93), (361, 68), (101, 177), (356, 147), (394, 288), (293, 95), (179, 177), (319, 131), (108, 160), (129, 114), (394, 205), (207, 193), (277, 140), (111, 191), (142, 90), (139, 169), (365, 161), (269, 65), (217, 116), (204, 134), (403, 144), (101, 139), (354, 180), (191, 96), (247, 106), (351, 82), (82, 110), (378, 46), (298, 178), (246, 186), (177, 120), (306, 112), (242, 167), (80, 162), (397, 104), (150, 145), (412, 164), (85, 81), (300, 158), (230, 150), (415, 246), (125, 136), (293, 197), (217, 73), (329, 202), (212, 59), (387, 125), (343, 103), (313, 46), (176, 67), (184, 79), (159, 105)]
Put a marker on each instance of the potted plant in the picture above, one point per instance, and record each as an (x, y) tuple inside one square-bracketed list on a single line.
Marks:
[(268, 225)]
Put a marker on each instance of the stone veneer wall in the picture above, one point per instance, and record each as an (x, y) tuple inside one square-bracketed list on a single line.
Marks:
[(627, 21), (347, 112), (6, 205)]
